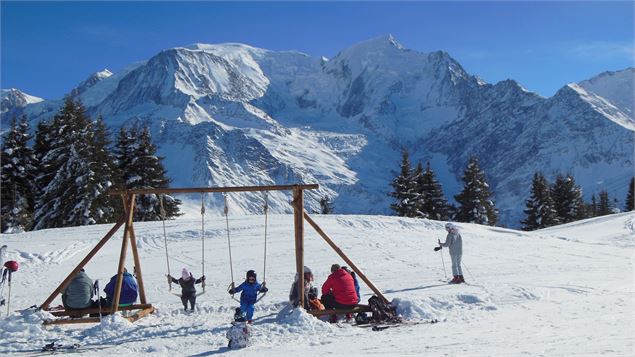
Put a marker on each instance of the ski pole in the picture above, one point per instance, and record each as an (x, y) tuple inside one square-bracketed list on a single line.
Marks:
[(443, 262), (468, 271), (9, 299)]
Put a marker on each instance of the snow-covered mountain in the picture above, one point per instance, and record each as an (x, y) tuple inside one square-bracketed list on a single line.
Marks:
[(13, 100), (232, 114)]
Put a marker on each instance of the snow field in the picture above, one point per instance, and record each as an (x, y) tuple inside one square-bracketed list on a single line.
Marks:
[(566, 290)]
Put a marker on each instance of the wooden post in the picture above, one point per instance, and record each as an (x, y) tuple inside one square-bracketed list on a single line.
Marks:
[(343, 256), (137, 265), (129, 209), (81, 265), (298, 223)]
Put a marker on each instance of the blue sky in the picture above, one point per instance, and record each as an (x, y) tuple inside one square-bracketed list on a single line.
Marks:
[(48, 48)]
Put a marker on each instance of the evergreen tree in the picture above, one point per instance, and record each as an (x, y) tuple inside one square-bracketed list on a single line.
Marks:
[(540, 209), (142, 169), (475, 203), (630, 196), (604, 206), (41, 148), (75, 172), (432, 204), (17, 167), (404, 190), (592, 208), (105, 208), (567, 197), (326, 206)]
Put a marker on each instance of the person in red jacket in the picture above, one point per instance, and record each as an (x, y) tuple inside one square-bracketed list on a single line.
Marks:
[(338, 291)]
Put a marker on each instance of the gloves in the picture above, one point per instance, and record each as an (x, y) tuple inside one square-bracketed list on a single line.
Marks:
[(203, 278), (264, 289), (436, 249), (232, 291)]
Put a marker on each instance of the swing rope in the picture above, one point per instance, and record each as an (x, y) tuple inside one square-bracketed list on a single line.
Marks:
[(229, 246), (165, 240), (203, 238), (264, 268)]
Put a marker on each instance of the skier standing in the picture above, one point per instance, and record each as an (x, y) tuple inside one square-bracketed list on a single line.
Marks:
[(455, 243)]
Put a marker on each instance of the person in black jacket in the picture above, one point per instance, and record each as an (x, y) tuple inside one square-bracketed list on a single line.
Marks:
[(188, 290)]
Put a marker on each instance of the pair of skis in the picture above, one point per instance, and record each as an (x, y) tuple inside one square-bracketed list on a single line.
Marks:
[(384, 326)]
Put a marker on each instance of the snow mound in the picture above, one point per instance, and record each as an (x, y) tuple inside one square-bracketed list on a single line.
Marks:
[(23, 327), (110, 327)]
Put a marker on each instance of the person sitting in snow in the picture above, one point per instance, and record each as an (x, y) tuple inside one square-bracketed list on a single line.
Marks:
[(311, 301), (79, 293), (240, 332), (188, 290), (129, 289), (359, 297), (338, 291), (455, 243), (250, 289)]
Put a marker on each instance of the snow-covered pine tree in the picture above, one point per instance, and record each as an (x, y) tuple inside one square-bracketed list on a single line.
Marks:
[(404, 189), (540, 210), (567, 198), (630, 196), (475, 203), (41, 147), (592, 208), (136, 157), (105, 208), (326, 206), (604, 205), (79, 180), (17, 167), (433, 204)]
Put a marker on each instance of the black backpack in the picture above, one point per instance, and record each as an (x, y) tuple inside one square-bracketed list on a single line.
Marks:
[(382, 312)]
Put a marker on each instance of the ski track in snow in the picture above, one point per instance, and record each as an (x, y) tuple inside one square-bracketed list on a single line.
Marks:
[(562, 291)]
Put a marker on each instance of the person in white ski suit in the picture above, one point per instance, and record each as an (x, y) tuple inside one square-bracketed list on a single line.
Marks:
[(454, 242)]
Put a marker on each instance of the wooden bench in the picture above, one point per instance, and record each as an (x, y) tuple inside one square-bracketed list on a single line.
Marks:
[(356, 309), (75, 315)]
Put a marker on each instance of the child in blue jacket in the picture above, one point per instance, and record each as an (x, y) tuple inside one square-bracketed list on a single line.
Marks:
[(250, 289)]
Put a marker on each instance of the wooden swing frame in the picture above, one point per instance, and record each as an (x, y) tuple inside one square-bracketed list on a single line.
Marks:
[(144, 308)]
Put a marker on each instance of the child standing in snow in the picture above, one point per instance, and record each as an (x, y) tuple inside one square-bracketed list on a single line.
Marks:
[(250, 289), (188, 290), (455, 243), (240, 332)]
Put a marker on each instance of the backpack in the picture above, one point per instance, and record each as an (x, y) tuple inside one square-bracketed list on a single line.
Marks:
[(316, 305), (382, 312)]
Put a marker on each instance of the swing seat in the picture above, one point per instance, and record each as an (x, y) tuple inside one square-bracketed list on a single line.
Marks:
[(358, 308), (75, 316)]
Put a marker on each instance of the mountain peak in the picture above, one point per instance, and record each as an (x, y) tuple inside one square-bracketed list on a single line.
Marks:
[(614, 86)]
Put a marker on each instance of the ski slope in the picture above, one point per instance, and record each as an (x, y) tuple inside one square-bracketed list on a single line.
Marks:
[(563, 291)]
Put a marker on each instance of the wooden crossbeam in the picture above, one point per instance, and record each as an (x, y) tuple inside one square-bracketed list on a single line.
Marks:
[(215, 189), (95, 310), (356, 309), (139, 314)]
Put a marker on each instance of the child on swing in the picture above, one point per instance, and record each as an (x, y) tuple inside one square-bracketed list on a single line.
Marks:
[(250, 289), (188, 290)]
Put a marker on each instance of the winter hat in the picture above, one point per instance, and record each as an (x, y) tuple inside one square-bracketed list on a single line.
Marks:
[(307, 270), (185, 274), (335, 267), (251, 273), (451, 227)]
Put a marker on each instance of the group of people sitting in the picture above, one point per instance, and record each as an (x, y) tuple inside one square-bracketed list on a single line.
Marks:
[(80, 292), (339, 291)]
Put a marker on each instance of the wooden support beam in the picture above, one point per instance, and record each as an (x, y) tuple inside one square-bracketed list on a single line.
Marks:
[(129, 209), (215, 189), (343, 256), (140, 314), (81, 265), (137, 265), (356, 309), (95, 310), (298, 223)]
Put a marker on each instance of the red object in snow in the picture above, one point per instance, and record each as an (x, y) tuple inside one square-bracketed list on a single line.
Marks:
[(12, 265)]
